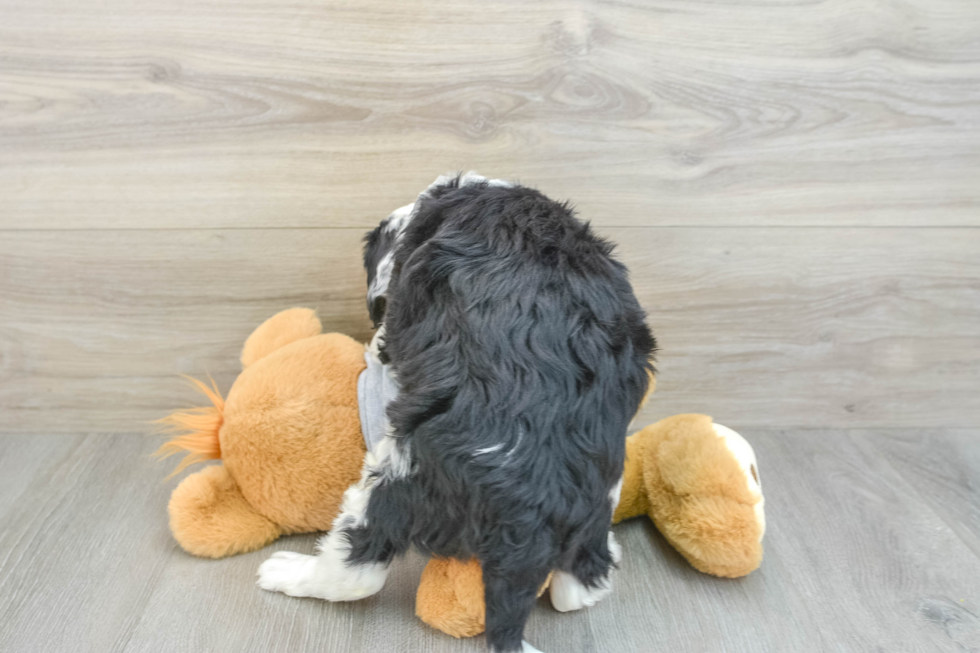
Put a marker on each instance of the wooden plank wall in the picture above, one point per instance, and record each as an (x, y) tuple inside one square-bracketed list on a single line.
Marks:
[(795, 186)]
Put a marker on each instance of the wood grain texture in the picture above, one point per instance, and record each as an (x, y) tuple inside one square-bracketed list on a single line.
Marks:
[(229, 114), (874, 567), (97, 325), (759, 327), (812, 327), (945, 467), (83, 547), (856, 560), (22, 458)]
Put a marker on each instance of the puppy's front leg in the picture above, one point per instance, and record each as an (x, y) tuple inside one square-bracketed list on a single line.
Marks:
[(329, 575), (325, 576)]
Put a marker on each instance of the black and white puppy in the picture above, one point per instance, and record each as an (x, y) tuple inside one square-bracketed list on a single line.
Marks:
[(522, 355)]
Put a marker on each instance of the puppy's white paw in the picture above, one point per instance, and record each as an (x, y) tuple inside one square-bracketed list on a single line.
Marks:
[(289, 573), (568, 593)]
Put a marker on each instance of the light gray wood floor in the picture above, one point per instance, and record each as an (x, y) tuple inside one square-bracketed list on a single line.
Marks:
[(873, 545)]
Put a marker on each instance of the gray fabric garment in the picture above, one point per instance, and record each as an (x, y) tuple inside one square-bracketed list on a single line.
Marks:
[(375, 388)]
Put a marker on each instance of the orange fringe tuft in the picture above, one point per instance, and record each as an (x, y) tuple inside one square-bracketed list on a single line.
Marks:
[(196, 429)]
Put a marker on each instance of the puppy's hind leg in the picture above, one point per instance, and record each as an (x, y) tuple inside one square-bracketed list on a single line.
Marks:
[(510, 594), (588, 578)]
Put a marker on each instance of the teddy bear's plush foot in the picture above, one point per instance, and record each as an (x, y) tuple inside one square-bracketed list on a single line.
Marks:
[(450, 597), (209, 516)]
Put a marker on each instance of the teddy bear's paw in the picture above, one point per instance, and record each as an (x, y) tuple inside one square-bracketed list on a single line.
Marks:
[(290, 573)]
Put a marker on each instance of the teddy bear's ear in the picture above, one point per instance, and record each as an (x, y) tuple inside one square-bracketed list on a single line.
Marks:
[(278, 331)]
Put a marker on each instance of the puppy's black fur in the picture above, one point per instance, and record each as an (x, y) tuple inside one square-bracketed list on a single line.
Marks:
[(522, 355)]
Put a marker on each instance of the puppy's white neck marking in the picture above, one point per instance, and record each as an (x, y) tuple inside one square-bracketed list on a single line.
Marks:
[(382, 277), (399, 219)]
